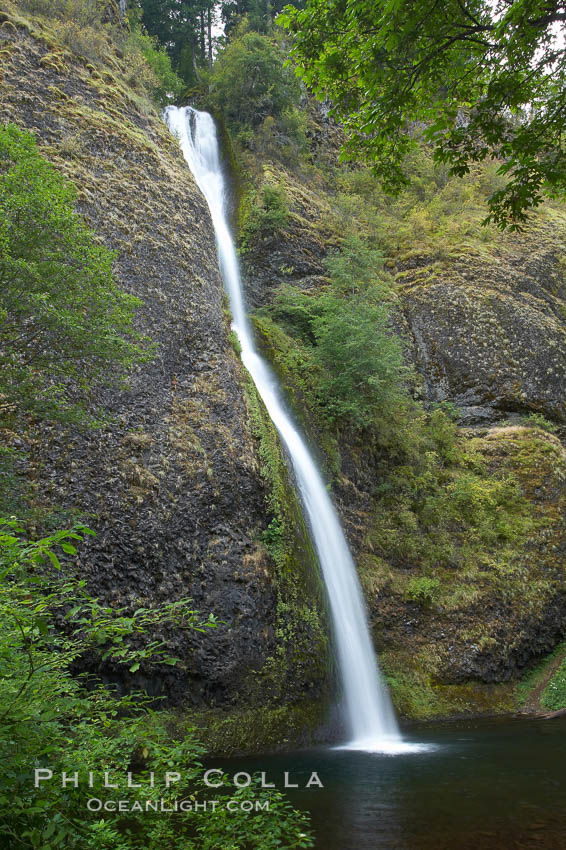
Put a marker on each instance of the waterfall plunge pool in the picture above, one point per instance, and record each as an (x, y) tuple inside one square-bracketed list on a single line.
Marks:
[(497, 784)]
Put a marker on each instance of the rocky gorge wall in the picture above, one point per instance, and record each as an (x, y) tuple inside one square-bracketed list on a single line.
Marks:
[(178, 485), (462, 560), (462, 556)]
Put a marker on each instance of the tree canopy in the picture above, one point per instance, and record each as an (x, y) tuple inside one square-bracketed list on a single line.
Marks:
[(250, 81), (482, 79)]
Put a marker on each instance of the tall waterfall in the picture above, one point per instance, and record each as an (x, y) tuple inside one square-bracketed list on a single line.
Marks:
[(371, 721)]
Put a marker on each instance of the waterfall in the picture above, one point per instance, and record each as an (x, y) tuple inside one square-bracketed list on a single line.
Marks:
[(369, 713)]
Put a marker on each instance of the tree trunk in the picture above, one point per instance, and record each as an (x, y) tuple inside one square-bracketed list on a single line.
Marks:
[(209, 22), (202, 39), (195, 64)]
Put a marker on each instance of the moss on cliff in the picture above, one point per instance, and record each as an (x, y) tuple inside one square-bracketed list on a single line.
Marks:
[(263, 729), (172, 481), (301, 656), (459, 532)]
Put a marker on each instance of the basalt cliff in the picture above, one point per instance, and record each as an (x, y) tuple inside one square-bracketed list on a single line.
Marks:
[(462, 559)]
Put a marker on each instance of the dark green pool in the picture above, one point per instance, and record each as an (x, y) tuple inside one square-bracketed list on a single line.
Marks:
[(482, 785)]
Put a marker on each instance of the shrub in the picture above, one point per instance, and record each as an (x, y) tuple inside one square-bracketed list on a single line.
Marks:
[(344, 353), (64, 324), (81, 12), (266, 218), (53, 718), (423, 589), (250, 81), (90, 42), (554, 695), (361, 359), (537, 420), (149, 67)]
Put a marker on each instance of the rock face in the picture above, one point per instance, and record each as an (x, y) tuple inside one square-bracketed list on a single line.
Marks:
[(172, 486), (176, 484), (501, 608), (488, 333), (463, 561)]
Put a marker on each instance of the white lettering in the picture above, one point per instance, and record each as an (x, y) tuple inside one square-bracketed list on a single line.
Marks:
[(213, 784), (314, 780), (107, 783), (265, 784), (289, 784), (130, 783), (74, 780), (42, 773)]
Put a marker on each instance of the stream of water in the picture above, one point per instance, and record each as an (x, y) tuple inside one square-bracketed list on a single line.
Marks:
[(370, 719)]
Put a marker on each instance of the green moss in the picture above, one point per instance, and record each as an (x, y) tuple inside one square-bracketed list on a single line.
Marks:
[(258, 730), (301, 628), (416, 695), (297, 376)]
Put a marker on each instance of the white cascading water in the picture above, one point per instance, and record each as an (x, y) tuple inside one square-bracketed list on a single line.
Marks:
[(370, 716)]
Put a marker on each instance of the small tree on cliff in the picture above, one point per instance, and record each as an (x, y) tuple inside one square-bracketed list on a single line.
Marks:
[(64, 324)]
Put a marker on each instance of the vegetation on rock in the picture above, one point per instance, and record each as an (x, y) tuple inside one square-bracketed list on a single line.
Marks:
[(373, 311), (444, 520), (63, 320), (60, 722)]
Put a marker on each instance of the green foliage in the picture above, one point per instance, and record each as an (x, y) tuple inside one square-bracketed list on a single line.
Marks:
[(266, 218), (351, 362), (537, 420), (435, 214), (52, 718), (259, 13), (181, 27), (554, 695), (486, 81), (273, 537), (423, 589), (155, 72), (77, 24), (416, 694), (89, 41), (65, 326), (534, 687), (250, 82), (82, 12), (441, 509)]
